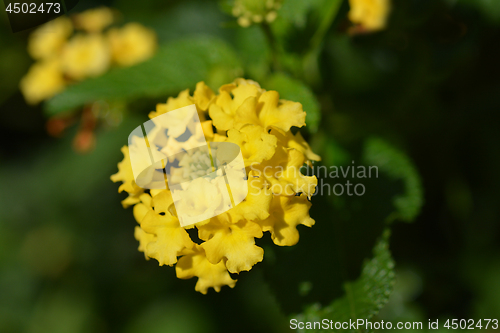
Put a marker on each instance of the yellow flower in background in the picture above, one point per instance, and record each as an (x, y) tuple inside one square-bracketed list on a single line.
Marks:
[(94, 20), (86, 56), (43, 80), (371, 15), (48, 40), (278, 199), (89, 53), (255, 11), (132, 44)]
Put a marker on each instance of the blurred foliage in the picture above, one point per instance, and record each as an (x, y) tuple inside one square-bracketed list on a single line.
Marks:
[(418, 100), (183, 62), (364, 297), (397, 166)]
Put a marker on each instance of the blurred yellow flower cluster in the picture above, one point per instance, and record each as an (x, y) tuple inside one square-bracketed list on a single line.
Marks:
[(260, 123), (371, 15), (63, 57), (255, 11)]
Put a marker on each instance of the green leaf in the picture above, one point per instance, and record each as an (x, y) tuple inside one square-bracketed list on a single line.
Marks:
[(295, 90), (301, 13), (309, 19), (296, 11), (177, 65), (397, 166), (324, 14), (364, 297), (254, 49)]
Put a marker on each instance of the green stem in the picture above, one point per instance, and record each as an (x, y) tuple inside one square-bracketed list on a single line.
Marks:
[(276, 67), (330, 14), (310, 61)]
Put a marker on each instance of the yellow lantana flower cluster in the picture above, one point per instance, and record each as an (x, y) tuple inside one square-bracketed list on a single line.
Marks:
[(278, 198), (371, 15), (63, 57)]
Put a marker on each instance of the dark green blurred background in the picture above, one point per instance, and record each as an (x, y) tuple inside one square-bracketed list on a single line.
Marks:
[(429, 84)]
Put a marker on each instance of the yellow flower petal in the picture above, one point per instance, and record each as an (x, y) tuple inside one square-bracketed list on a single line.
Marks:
[(195, 263), (140, 211), (193, 199), (286, 214), (131, 200), (231, 97), (126, 176), (173, 103), (144, 239), (256, 144), (284, 175), (243, 90), (143, 206), (280, 114), (235, 242), (163, 202), (208, 131), (244, 102), (247, 113), (170, 239), (222, 119), (292, 174), (203, 95), (257, 203), (301, 145), (296, 142)]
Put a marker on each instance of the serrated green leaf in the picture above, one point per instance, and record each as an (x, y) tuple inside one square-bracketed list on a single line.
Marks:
[(176, 66), (295, 90), (364, 297), (398, 167)]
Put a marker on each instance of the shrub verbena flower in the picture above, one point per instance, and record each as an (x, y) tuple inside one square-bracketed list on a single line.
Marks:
[(260, 123), (63, 57)]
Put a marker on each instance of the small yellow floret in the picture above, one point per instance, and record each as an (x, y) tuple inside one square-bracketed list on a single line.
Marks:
[(132, 44), (86, 56), (48, 40), (43, 80), (94, 20)]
